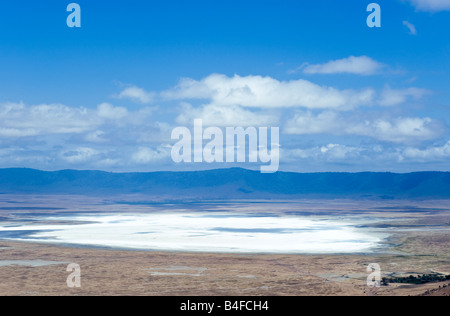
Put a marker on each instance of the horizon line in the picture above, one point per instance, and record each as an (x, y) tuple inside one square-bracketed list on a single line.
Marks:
[(220, 169)]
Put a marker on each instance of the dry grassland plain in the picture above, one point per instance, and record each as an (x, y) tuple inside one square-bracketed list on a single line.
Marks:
[(416, 243)]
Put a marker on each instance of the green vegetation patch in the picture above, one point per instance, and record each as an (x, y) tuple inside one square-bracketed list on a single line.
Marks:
[(419, 279)]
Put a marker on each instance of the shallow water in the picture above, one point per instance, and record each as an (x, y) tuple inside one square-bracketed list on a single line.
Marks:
[(200, 232), (29, 263)]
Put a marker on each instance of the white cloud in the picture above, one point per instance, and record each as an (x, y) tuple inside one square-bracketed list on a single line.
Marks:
[(95, 137), (113, 137), (362, 65), (20, 157), (399, 130), (79, 155), (145, 155), (411, 27), (431, 5), (19, 120), (136, 94), (108, 111), (140, 117), (390, 97), (108, 162), (428, 154), (307, 123), (215, 115), (330, 152), (266, 92)]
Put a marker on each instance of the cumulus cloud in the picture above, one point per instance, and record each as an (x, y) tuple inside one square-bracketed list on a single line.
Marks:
[(307, 123), (266, 92), (431, 5), (95, 137), (398, 130), (119, 138), (16, 156), (427, 154), (145, 155), (136, 94), (329, 152), (411, 27), (108, 111), (215, 115), (19, 120), (374, 154), (390, 97), (362, 65)]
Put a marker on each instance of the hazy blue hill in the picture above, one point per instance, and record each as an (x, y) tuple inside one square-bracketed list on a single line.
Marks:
[(228, 183)]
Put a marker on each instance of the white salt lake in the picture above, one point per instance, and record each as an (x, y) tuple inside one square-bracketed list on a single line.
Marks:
[(192, 231)]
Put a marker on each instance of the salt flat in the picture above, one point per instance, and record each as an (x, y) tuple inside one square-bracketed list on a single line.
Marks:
[(228, 232)]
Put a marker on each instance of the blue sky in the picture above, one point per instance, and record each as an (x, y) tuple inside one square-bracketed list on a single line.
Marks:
[(346, 97)]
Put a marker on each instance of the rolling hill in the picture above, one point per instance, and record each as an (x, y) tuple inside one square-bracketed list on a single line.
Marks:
[(234, 183)]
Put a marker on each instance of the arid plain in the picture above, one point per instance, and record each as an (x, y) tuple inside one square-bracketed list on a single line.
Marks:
[(416, 243)]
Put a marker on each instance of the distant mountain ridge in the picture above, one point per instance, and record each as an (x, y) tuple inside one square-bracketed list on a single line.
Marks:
[(234, 183)]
